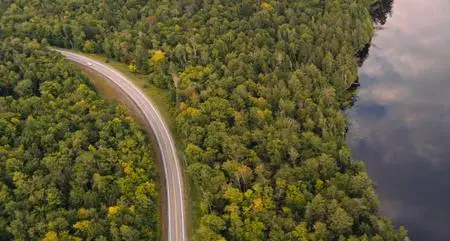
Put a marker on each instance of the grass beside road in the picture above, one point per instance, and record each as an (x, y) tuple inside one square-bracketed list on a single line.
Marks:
[(111, 93), (161, 97)]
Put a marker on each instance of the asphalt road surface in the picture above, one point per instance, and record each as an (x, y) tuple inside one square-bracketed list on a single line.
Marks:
[(176, 224)]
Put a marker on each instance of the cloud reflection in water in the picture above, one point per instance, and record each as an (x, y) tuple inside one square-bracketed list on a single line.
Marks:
[(400, 125)]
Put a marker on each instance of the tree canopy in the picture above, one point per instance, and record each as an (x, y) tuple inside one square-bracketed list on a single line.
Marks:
[(72, 166)]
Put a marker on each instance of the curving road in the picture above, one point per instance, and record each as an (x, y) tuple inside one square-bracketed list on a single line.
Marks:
[(175, 225)]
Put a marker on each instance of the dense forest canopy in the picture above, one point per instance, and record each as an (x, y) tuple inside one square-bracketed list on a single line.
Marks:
[(72, 166), (259, 87)]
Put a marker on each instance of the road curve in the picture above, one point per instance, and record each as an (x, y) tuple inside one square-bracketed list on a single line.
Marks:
[(176, 224)]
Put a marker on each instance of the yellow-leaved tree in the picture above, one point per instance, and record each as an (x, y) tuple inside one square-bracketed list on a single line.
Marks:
[(266, 6), (158, 56)]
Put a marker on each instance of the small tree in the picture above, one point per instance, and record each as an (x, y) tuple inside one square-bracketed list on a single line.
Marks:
[(132, 68), (158, 56), (88, 47)]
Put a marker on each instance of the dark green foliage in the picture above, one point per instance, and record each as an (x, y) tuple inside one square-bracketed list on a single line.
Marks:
[(72, 166), (259, 87)]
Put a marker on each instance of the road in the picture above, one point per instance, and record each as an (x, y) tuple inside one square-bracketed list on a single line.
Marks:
[(176, 223)]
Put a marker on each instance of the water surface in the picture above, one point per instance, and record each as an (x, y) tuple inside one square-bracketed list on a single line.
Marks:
[(400, 125)]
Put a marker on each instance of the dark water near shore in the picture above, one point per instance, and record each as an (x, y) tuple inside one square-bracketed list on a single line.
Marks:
[(400, 125)]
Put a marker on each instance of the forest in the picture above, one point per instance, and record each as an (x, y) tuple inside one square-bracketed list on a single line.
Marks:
[(72, 166), (259, 88)]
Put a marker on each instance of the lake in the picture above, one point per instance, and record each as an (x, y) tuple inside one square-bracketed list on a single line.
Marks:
[(400, 123)]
